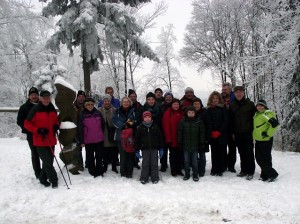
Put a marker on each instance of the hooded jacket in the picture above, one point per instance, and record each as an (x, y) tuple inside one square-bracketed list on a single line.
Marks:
[(261, 124)]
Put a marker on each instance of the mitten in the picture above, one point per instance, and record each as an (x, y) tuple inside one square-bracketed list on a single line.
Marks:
[(273, 122), (215, 134), (161, 153), (138, 155), (43, 131)]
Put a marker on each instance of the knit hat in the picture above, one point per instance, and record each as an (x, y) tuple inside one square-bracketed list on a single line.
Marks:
[(150, 94), (190, 108), (81, 92), (147, 113), (131, 91), (263, 103), (45, 93), (89, 99), (188, 89), (238, 88), (169, 93), (158, 89), (107, 96), (33, 90)]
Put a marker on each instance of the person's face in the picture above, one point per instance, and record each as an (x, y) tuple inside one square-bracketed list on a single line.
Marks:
[(45, 100), (158, 94), (191, 113), (197, 105), (260, 108), (80, 99), (189, 95), (125, 103), (33, 97), (215, 100), (175, 106), (110, 92), (89, 106), (226, 91), (147, 119), (133, 97), (106, 103), (168, 99), (239, 94), (151, 101)]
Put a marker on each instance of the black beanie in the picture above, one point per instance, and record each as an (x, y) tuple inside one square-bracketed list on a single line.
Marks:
[(130, 91), (33, 90), (81, 92), (150, 94)]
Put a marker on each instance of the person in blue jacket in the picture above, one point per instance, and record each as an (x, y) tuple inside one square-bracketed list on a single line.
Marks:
[(114, 101)]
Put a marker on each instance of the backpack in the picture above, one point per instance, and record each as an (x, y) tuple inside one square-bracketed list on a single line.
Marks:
[(127, 140)]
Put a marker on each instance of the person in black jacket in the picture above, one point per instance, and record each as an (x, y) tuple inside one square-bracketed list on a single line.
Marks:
[(33, 98), (217, 128), (149, 139)]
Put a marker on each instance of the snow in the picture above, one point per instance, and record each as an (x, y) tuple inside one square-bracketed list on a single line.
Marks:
[(62, 82), (67, 125), (113, 199)]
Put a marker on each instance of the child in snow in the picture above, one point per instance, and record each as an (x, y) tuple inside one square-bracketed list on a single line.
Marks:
[(91, 136), (265, 125), (149, 139), (191, 136)]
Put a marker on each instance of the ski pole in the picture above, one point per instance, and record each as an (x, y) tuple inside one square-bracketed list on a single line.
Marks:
[(62, 152), (52, 151)]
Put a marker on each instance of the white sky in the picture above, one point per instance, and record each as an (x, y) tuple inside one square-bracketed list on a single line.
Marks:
[(179, 14)]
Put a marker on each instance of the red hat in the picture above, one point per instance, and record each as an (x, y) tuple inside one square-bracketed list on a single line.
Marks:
[(147, 113)]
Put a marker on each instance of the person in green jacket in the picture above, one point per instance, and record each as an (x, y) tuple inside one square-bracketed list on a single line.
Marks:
[(265, 125), (190, 138)]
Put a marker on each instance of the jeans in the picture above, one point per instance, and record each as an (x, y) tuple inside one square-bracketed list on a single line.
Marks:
[(190, 158)]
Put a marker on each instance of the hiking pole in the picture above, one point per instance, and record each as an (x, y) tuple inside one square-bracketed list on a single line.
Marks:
[(62, 152), (52, 151)]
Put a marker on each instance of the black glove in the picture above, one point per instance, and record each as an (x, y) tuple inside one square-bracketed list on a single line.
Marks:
[(264, 135), (43, 131), (273, 122), (55, 128)]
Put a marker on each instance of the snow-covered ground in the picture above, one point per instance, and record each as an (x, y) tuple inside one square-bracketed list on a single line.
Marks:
[(113, 199)]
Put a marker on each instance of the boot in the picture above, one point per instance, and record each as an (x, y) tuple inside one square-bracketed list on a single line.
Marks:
[(114, 168)]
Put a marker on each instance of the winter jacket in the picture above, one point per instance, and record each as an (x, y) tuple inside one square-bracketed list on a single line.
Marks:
[(191, 134), (202, 114), (228, 102), (41, 116), (148, 138), (155, 111), (114, 101), (90, 127), (170, 122), (217, 121), (159, 102), (109, 131), (22, 114), (184, 103), (119, 119), (241, 116), (261, 124)]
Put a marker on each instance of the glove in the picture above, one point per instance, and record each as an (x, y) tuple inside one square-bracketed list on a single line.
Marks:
[(264, 135), (161, 153), (55, 128), (215, 134), (138, 155), (43, 131), (274, 123)]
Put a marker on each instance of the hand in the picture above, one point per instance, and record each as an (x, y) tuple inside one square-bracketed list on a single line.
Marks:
[(274, 123), (138, 155), (161, 153), (264, 135), (43, 131), (215, 134), (129, 123), (55, 128)]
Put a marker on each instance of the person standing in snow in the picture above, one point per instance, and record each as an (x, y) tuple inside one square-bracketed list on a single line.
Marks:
[(124, 117), (149, 139), (190, 137), (42, 122), (33, 99), (241, 112), (110, 146), (217, 124), (230, 157), (114, 101), (91, 136), (187, 99), (265, 125)]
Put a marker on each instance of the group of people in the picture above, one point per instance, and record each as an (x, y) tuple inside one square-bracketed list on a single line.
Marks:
[(182, 128)]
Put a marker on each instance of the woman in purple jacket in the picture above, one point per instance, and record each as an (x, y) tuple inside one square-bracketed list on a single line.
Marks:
[(91, 136)]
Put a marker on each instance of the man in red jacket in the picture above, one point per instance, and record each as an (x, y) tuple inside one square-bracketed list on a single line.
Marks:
[(42, 122)]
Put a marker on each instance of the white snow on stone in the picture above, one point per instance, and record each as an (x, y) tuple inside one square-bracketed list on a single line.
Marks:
[(62, 82), (67, 125)]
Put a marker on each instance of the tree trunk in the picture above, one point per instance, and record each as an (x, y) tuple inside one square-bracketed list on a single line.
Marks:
[(87, 76)]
